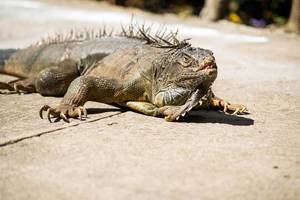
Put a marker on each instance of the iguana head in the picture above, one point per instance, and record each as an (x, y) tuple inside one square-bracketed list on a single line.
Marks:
[(194, 67), (182, 72)]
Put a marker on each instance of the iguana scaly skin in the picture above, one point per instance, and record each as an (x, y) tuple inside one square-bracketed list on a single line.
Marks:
[(49, 68), (155, 75)]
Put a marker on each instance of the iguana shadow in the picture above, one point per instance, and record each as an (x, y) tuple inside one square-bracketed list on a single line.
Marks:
[(216, 117), (92, 111), (192, 117)]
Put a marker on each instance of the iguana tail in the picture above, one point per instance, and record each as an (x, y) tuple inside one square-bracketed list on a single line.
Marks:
[(4, 55)]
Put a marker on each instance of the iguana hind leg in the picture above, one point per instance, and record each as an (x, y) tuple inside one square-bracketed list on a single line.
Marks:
[(52, 81)]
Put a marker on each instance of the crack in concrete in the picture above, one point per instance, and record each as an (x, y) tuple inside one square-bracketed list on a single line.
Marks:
[(10, 142)]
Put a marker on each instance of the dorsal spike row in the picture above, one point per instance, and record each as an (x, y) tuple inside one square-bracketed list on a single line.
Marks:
[(161, 39), (75, 35)]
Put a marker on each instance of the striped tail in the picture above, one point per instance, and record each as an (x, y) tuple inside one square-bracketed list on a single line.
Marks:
[(4, 55)]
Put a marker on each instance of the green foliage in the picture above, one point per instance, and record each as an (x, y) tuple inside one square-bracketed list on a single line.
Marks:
[(260, 13)]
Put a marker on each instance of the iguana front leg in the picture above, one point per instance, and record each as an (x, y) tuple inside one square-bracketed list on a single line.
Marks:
[(150, 109), (171, 112), (81, 90)]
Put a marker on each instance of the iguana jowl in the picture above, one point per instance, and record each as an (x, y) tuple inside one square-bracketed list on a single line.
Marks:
[(155, 75)]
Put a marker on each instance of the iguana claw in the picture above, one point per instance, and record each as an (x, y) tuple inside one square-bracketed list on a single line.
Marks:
[(44, 108), (63, 112), (63, 116), (225, 107)]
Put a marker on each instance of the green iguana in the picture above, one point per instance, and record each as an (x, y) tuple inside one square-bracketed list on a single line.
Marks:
[(152, 74)]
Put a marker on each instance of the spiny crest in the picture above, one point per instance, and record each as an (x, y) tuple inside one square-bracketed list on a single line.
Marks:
[(161, 39), (75, 36)]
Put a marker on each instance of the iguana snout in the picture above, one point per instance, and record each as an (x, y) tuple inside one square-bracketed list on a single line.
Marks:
[(208, 63), (197, 66)]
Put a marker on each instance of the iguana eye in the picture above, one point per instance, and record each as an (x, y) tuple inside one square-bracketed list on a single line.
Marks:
[(186, 56), (186, 60)]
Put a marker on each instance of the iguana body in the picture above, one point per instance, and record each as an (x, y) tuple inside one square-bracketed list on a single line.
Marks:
[(151, 75), (49, 68)]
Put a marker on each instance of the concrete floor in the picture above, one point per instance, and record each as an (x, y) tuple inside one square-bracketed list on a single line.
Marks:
[(120, 154)]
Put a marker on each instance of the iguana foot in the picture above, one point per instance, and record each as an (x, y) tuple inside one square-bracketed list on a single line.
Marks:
[(19, 86), (235, 109), (64, 112), (172, 113), (6, 86)]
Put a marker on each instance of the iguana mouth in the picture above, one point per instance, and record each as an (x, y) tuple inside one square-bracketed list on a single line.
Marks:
[(208, 64)]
